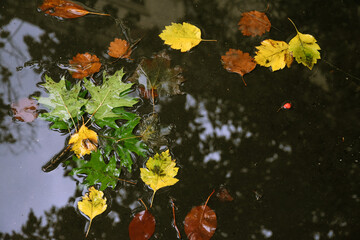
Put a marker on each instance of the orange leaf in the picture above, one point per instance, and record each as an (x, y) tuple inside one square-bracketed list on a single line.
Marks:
[(119, 49), (84, 65), (254, 23), (65, 9), (238, 62)]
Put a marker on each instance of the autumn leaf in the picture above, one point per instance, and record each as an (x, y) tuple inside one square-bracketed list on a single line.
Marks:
[(254, 23), (159, 172), (238, 62), (62, 103), (25, 110), (200, 223), (156, 77), (223, 195), (84, 141), (65, 9), (151, 132), (182, 37), (119, 49), (92, 204), (84, 65), (142, 226), (304, 48), (273, 54)]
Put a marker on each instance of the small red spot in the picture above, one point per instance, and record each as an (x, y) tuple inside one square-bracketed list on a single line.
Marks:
[(287, 105)]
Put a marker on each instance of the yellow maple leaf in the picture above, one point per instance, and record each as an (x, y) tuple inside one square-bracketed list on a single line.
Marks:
[(93, 203), (84, 141), (160, 172), (182, 36), (274, 54), (304, 48)]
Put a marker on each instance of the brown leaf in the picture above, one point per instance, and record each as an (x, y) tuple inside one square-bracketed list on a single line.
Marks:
[(84, 65), (25, 110), (200, 223), (254, 23), (65, 9), (238, 62), (119, 49), (142, 226), (224, 195)]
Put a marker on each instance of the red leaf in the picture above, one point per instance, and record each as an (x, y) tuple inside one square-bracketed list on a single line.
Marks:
[(25, 110), (142, 226), (65, 9), (200, 223), (119, 49), (84, 65), (254, 23)]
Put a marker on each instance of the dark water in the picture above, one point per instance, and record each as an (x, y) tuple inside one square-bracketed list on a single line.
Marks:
[(293, 174)]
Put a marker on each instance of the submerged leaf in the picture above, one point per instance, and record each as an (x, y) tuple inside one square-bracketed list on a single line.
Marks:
[(84, 65), (274, 54), (25, 110), (142, 226), (304, 49), (157, 78), (84, 141), (181, 36), (119, 49), (159, 172), (92, 204), (254, 23), (150, 131)]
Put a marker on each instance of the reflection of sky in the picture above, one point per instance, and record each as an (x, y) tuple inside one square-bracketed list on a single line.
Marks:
[(24, 185)]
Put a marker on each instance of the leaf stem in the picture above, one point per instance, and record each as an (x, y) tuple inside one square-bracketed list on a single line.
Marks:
[(68, 112), (152, 199), (87, 232), (102, 102), (202, 215), (294, 25), (208, 40), (143, 203)]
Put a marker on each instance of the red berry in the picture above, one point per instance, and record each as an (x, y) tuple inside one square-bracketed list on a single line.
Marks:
[(287, 106)]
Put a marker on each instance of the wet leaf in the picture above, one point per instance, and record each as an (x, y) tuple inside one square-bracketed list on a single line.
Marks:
[(224, 195), (159, 172), (142, 226), (119, 49), (273, 54), (25, 110), (151, 132), (65, 9), (304, 49), (111, 94), (84, 65), (157, 78), (182, 37), (84, 141), (200, 223), (63, 104), (238, 62), (254, 23), (93, 203)]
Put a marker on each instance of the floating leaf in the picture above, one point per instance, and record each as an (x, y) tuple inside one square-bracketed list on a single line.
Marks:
[(150, 131), (119, 49), (157, 78), (84, 141), (160, 172), (84, 65), (25, 110), (111, 94), (92, 204), (97, 171), (304, 49), (238, 62), (254, 23), (273, 54), (200, 223), (182, 36), (224, 195), (142, 226), (63, 104), (65, 9)]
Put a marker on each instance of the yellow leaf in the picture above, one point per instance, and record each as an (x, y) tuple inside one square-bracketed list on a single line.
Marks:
[(304, 48), (160, 172), (273, 54), (84, 141), (182, 36), (93, 203)]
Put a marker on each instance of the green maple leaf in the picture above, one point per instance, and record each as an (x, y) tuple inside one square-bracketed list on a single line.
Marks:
[(62, 103), (111, 94), (97, 171)]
